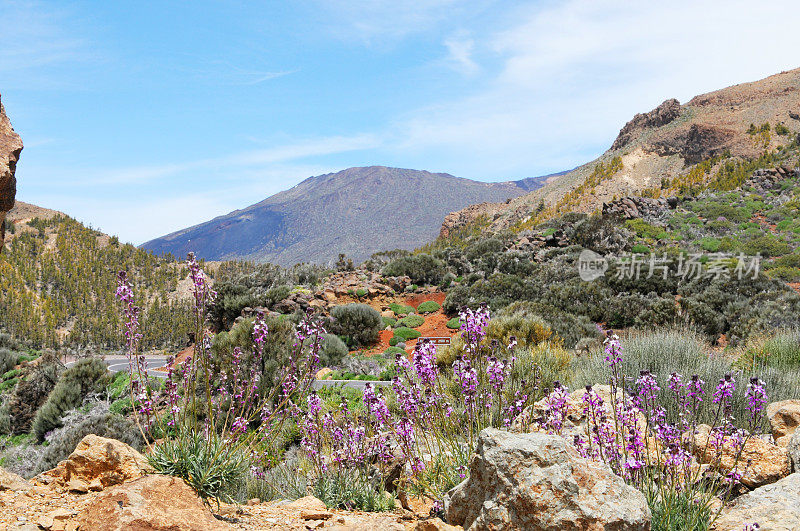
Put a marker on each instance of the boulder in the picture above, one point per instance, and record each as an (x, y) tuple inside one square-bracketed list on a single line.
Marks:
[(536, 481), (11, 481), (435, 524), (784, 417), (153, 503), (773, 507), (97, 463), (760, 462)]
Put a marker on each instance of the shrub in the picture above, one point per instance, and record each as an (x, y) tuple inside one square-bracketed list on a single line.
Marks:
[(766, 246), (411, 321), (517, 322), (640, 249), (359, 323), (394, 340), (31, 392), (428, 307), (401, 309), (421, 268), (8, 359), (332, 350), (361, 292), (454, 323), (393, 351), (86, 375), (404, 334), (388, 321)]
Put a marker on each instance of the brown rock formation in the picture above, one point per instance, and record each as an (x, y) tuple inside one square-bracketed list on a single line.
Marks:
[(661, 115), (10, 149)]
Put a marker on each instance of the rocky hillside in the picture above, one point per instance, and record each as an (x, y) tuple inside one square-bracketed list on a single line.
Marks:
[(656, 152), (10, 149), (357, 211)]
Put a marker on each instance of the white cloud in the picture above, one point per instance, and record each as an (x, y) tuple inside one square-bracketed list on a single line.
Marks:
[(571, 74), (460, 49)]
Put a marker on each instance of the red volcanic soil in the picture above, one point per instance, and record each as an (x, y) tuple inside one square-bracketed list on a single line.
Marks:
[(434, 325)]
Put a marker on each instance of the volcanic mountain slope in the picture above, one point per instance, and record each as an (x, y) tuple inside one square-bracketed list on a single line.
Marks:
[(357, 211), (656, 151)]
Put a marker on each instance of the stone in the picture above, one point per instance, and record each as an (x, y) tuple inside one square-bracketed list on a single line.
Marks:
[(536, 481), (97, 463), (784, 417), (308, 503), (55, 520), (11, 481), (774, 507), (153, 503), (761, 462), (435, 524), (794, 450)]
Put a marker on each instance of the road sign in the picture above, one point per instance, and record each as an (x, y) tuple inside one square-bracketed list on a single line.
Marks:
[(437, 340)]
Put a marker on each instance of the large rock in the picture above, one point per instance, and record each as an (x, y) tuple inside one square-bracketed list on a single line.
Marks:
[(794, 450), (784, 417), (152, 503), (11, 481), (774, 507), (761, 462), (537, 481), (97, 463), (10, 149)]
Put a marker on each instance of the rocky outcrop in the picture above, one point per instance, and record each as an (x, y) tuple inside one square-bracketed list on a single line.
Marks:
[(154, 503), (770, 178), (97, 463), (698, 143), (639, 207), (661, 115), (784, 418), (536, 481), (774, 507), (10, 149)]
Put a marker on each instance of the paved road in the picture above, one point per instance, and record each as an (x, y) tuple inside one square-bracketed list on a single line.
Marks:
[(120, 364)]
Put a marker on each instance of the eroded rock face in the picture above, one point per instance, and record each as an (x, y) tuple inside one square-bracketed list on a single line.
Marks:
[(794, 450), (784, 417), (536, 481), (155, 503), (10, 149), (97, 463), (774, 507), (11, 481), (661, 115)]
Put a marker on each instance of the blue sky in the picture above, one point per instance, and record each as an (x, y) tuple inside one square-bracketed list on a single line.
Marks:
[(141, 118)]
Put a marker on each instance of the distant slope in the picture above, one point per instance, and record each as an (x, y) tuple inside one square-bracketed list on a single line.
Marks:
[(357, 211), (657, 151)]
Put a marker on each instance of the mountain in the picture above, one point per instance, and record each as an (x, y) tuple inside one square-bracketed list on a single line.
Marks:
[(664, 151), (10, 149), (357, 211)]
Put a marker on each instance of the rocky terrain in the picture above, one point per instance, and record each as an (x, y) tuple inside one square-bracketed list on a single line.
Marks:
[(664, 144), (357, 211), (10, 150)]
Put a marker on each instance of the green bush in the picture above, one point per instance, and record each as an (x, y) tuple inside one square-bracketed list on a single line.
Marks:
[(394, 340), (392, 351), (8, 359), (516, 321), (359, 323), (428, 307), (75, 383), (361, 292), (332, 350), (454, 323), (766, 246), (401, 309), (388, 321), (20, 408), (640, 249), (411, 321), (405, 333), (421, 268)]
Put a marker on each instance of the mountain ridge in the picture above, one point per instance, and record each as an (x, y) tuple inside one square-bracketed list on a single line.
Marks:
[(356, 211)]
